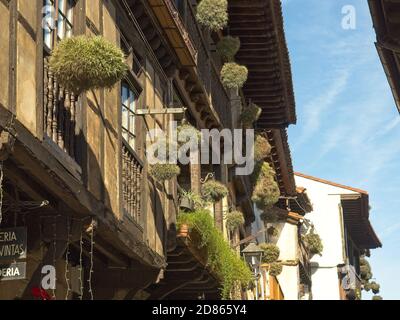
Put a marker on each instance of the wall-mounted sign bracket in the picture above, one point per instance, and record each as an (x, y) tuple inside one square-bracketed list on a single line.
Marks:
[(166, 111)]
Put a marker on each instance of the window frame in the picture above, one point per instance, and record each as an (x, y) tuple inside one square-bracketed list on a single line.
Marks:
[(133, 97), (59, 19)]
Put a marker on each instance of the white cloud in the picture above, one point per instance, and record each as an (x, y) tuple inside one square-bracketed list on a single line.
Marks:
[(314, 110)]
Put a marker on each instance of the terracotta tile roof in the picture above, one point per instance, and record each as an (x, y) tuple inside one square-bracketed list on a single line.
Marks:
[(330, 183)]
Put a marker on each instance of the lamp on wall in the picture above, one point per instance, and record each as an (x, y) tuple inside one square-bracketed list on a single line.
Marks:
[(253, 255)]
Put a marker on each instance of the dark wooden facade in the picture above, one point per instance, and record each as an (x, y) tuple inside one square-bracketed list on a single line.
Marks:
[(69, 152), (386, 20)]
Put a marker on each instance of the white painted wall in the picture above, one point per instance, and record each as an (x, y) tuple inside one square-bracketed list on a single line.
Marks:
[(287, 241), (289, 280), (327, 219)]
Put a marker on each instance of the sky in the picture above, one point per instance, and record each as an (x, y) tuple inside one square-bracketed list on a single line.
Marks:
[(348, 128)]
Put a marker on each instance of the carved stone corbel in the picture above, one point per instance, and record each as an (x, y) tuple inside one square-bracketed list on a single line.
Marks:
[(7, 141)]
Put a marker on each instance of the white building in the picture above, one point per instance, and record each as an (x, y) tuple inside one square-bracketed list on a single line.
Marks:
[(340, 216), (295, 279)]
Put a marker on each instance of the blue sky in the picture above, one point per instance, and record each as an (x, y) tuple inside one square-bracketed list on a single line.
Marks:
[(348, 127)]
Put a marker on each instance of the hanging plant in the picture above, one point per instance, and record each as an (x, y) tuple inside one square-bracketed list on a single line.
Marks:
[(375, 287), (365, 270), (271, 252), (228, 47), (233, 75), (164, 172), (214, 191), (83, 63), (266, 191), (262, 148), (275, 269), (272, 231), (213, 14), (314, 243), (186, 132), (192, 197), (250, 115), (234, 220), (269, 217), (262, 169), (221, 259)]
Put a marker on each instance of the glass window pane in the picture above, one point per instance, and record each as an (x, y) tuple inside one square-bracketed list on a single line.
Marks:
[(125, 96), (61, 6), (68, 33), (125, 117), (133, 102), (70, 11), (61, 27), (48, 24), (47, 38), (125, 135), (132, 141), (132, 123)]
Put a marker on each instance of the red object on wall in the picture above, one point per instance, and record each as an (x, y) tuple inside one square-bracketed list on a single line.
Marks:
[(41, 293)]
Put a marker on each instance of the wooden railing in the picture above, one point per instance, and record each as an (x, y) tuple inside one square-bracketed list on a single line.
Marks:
[(132, 180), (181, 27), (59, 113), (304, 257), (203, 58)]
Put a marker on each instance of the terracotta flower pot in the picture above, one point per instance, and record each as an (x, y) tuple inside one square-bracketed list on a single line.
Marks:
[(183, 231)]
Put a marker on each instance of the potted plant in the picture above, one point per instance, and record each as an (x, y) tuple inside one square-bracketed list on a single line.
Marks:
[(214, 191), (314, 242), (233, 75), (269, 216), (272, 232), (275, 269), (234, 220), (228, 47), (189, 201), (266, 192), (271, 252), (222, 261), (250, 115), (186, 203), (183, 225), (164, 172), (83, 63), (262, 148), (375, 287), (213, 14), (186, 132)]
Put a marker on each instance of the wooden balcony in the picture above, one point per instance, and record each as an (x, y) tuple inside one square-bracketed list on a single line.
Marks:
[(202, 80), (59, 113), (175, 30), (132, 180)]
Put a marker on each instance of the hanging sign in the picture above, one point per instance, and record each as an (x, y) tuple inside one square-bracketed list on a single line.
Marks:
[(13, 243), (13, 271)]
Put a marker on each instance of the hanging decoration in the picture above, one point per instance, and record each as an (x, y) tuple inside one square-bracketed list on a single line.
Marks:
[(233, 75), (228, 47), (83, 63), (67, 253), (81, 266), (213, 14)]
